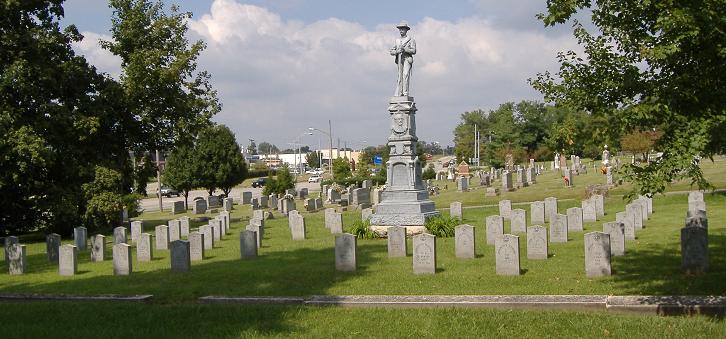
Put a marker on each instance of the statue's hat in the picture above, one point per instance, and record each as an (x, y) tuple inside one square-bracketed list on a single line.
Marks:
[(403, 24)]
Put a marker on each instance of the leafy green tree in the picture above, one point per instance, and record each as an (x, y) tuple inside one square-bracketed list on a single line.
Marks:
[(313, 159), (145, 168), (218, 160), (429, 173), (267, 148), (105, 199), (640, 142), (59, 118), (165, 94), (281, 183), (341, 169), (652, 64), (179, 172)]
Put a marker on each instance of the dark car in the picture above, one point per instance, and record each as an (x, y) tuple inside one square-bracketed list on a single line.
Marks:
[(259, 182)]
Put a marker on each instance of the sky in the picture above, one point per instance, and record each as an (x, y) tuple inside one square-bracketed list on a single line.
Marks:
[(283, 66)]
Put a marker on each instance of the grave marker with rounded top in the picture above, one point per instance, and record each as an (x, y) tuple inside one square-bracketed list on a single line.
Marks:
[(80, 238), (465, 241), (495, 228), (519, 221), (537, 243), (345, 252), (599, 205), (574, 219), (505, 209), (550, 208), (162, 237), (144, 250), (199, 206), (16, 257), (208, 237), (297, 226), (558, 228), (424, 254), (248, 244), (258, 229), (616, 230), (589, 210), (366, 214), (68, 260), (137, 227), (184, 227), (597, 254), (119, 235), (643, 209), (455, 210), (52, 247), (396, 241), (174, 230), (98, 247), (177, 207), (196, 246), (537, 212), (122, 259), (180, 256), (628, 224), (507, 255), (634, 211), (9, 240)]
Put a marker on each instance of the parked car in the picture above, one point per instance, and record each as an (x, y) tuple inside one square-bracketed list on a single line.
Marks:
[(315, 171), (315, 178), (168, 192), (259, 182)]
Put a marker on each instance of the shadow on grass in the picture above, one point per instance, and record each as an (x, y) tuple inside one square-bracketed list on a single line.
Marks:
[(657, 271)]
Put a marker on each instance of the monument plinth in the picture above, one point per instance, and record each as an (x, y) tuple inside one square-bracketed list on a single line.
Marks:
[(405, 201)]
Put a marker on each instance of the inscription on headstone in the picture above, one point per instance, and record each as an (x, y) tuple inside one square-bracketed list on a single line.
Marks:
[(597, 254), (465, 241), (558, 228), (537, 212)]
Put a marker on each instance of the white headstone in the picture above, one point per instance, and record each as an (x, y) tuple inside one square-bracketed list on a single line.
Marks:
[(98, 247), (589, 211), (424, 254), (455, 210), (345, 252), (616, 231), (518, 221), (465, 241), (550, 208), (144, 250), (122, 259), (558, 228), (574, 219), (597, 254), (68, 260), (505, 209), (196, 246), (628, 224), (162, 237), (495, 228), (537, 242), (537, 212), (507, 255), (396, 241), (17, 259)]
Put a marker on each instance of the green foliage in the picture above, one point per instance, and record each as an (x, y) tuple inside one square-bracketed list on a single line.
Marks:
[(651, 65), (145, 169), (341, 169), (442, 226), (105, 200), (313, 159), (163, 90), (281, 183), (429, 173), (218, 160), (180, 170), (361, 229), (267, 148)]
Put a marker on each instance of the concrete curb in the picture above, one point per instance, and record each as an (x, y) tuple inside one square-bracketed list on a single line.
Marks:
[(71, 297), (253, 300)]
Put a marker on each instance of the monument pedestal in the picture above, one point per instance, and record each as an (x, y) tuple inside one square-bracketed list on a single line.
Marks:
[(405, 201)]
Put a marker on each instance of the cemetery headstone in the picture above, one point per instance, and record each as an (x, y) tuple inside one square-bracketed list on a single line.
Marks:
[(495, 228), (455, 210), (263, 201), (537, 242), (465, 241), (184, 227), (199, 207), (628, 224), (694, 250), (550, 208), (196, 246), (424, 254), (589, 210), (336, 222), (507, 185), (518, 221), (119, 235), (599, 205), (537, 212), (297, 226), (122, 259), (177, 207), (80, 238), (68, 260), (137, 227), (634, 211), (98, 247), (144, 250), (208, 238), (574, 219), (255, 203), (52, 246), (462, 184), (616, 231), (228, 204), (248, 244), (597, 254), (558, 228), (246, 198), (507, 255), (162, 237), (505, 209), (17, 259), (180, 256), (366, 214), (272, 201), (345, 252), (396, 241)]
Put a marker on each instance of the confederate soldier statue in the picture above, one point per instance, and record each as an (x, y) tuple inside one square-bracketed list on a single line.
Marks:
[(403, 50)]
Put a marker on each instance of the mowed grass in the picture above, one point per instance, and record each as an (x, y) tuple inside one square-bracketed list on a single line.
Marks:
[(97, 320), (301, 268)]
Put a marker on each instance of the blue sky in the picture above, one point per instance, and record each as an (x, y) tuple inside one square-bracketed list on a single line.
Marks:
[(283, 66)]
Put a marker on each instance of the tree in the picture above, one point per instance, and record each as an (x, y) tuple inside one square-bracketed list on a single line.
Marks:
[(281, 183), (59, 119), (341, 169), (429, 173), (179, 171), (653, 64), (252, 148), (313, 159), (106, 199), (639, 142), (267, 148), (165, 94), (218, 161), (145, 168)]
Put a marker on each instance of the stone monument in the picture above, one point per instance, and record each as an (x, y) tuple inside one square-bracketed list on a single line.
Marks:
[(405, 200)]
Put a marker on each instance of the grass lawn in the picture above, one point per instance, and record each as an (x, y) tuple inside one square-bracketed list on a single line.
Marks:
[(301, 268), (95, 320)]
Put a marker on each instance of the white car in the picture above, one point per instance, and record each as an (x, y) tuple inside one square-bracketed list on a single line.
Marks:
[(315, 178), (314, 172)]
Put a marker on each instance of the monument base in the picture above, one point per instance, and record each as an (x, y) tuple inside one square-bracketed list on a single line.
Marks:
[(382, 231)]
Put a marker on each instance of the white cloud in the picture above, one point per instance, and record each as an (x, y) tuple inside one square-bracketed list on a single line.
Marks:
[(277, 77), (97, 56)]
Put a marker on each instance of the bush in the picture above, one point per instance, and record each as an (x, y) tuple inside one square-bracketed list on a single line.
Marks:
[(442, 226), (429, 173), (360, 228)]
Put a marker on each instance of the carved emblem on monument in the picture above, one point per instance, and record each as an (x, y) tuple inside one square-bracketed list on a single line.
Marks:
[(399, 124)]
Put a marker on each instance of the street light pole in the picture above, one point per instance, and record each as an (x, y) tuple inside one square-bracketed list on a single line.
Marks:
[(329, 133)]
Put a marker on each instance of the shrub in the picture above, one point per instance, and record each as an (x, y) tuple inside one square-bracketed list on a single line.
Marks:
[(429, 173), (361, 229), (442, 226)]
